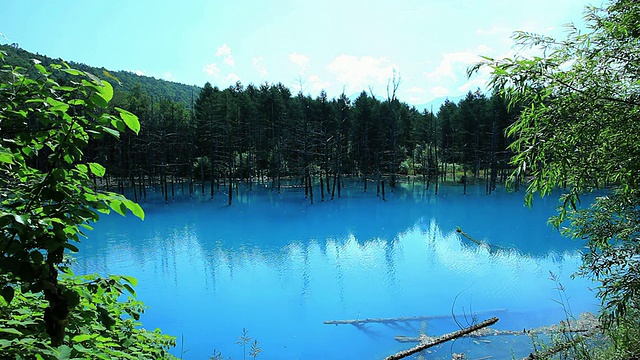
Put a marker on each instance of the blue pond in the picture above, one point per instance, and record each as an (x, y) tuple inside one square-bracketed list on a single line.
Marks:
[(278, 266)]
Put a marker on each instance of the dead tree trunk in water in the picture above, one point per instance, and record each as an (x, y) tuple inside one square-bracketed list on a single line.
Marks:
[(310, 187)]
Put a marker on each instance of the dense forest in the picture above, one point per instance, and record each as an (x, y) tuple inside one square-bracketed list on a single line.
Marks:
[(243, 134)]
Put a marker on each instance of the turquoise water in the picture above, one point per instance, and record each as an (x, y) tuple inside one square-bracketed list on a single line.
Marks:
[(279, 267)]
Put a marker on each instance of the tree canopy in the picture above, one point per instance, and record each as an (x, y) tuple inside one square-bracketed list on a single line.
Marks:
[(579, 130)]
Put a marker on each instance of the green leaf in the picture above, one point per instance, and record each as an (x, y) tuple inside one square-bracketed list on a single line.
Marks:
[(97, 169), (109, 75), (72, 71), (82, 337), (130, 279), (57, 105), (4, 343), (6, 157), (118, 207), (7, 293), (40, 68), (21, 219), (71, 247), (10, 331), (105, 318), (130, 119), (106, 91), (65, 352), (129, 289), (134, 208), (64, 88), (82, 168), (112, 132), (98, 100)]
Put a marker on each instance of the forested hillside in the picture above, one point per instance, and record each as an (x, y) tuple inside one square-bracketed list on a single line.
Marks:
[(156, 88), (266, 133)]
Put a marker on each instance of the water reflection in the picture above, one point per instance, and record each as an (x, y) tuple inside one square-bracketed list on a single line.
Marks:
[(280, 268)]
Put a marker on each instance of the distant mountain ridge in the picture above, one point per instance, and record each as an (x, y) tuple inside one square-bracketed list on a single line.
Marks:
[(157, 88), (435, 104)]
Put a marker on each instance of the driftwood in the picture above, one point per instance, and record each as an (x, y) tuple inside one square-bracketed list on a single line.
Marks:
[(442, 339), (360, 322)]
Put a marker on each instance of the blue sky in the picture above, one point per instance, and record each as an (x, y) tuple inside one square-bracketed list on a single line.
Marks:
[(308, 45)]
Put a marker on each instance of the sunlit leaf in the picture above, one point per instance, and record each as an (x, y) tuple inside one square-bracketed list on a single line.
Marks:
[(72, 71), (130, 119), (134, 208), (6, 157), (97, 169), (82, 337), (118, 206), (130, 279)]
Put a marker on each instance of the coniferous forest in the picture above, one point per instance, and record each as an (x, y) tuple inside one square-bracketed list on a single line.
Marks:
[(208, 137)]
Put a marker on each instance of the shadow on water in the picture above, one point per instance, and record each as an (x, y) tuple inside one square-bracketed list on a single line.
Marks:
[(279, 266)]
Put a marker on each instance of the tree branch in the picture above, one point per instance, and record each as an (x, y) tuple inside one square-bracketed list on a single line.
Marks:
[(442, 339)]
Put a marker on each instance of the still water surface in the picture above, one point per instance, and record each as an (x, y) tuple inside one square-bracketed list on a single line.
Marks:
[(279, 267)]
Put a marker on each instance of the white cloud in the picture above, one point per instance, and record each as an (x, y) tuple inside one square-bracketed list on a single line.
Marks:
[(416, 95), (359, 73), (478, 80), (225, 52), (316, 84), (168, 76), (232, 78), (453, 65), (301, 60), (438, 92), (211, 69), (257, 64), (140, 73), (416, 90)]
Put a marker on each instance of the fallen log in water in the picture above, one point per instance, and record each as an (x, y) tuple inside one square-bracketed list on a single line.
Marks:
[(359, 322), (442, 339), (582, 325)]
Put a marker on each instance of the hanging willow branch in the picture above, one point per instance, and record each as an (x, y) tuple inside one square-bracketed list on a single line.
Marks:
[(442, 339)]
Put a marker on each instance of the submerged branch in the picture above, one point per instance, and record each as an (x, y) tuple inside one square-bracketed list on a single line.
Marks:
[(491, 248), (359, 322)]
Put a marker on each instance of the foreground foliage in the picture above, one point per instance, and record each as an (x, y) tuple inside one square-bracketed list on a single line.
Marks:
[(579, 131), (47, 197), (100, 326)]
